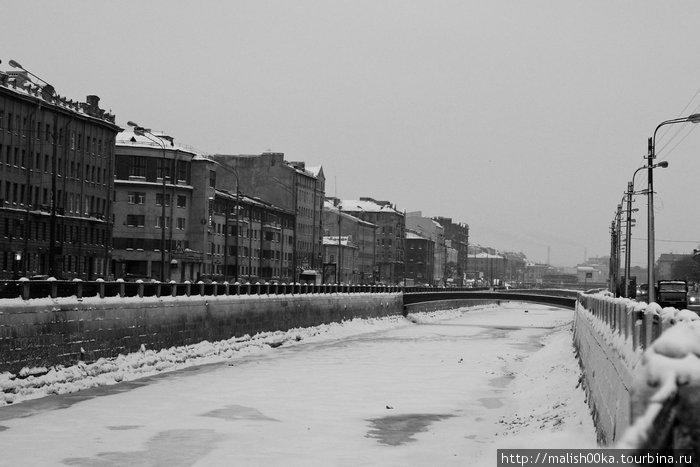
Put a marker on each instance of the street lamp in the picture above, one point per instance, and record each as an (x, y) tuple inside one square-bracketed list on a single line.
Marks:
[(141, 131), (235, 265), (48, 93), (628, 231), (694, 118)]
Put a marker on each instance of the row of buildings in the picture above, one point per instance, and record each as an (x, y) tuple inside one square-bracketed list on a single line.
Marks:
[(81, 197)]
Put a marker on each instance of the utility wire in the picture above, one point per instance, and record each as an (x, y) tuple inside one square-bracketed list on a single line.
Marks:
[(670, 241)]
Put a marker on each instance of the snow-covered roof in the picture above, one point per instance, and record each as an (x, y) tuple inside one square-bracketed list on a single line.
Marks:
[(410, 235), (315, 170), (329, 206), (486, 256), (20, 83), (162, 139), (366, 206)]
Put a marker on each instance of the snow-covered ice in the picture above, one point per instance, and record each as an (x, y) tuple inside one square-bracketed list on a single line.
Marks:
[(444, 388)]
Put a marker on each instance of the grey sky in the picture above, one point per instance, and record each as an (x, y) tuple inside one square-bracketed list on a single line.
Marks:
[(524, 119)]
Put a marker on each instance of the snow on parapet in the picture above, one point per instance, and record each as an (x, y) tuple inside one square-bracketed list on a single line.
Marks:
[(18, 82), (670, 361)]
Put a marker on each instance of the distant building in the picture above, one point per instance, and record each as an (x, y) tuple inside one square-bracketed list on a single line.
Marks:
[(391, 225), (433, 230), (488, 267), (420, 255), (56, 165), (341, 254), (664, 265), (363, 236), (291, 186), (536, 272), (458, 235)]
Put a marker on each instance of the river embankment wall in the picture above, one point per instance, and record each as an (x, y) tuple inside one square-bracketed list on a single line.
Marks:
[(63, 331)]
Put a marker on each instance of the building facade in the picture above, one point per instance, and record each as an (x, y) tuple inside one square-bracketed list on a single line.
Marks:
[(56, 166), (434, 231), (153, 209), (420, 255), (178, 216), (291, 186), (363, 234), (390, 240), (458, 235), (340, 258)]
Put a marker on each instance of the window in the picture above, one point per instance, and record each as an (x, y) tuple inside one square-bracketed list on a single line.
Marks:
[(181, 201), (212, 178), (134, 220), (159, 222), (182, 171), (159, 199), (163, 168), (181, 223), (137, 166), (136, 197)]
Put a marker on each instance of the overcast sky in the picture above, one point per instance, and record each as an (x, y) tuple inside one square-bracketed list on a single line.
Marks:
[(524, 119)]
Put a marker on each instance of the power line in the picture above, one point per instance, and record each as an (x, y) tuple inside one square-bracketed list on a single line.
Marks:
[(697, 242)]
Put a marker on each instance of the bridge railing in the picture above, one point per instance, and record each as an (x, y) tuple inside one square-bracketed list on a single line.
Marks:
[(664, 406), (641, 322)]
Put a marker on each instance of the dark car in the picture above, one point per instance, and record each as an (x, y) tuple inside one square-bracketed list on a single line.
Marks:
[(694, 300), (642, 293)]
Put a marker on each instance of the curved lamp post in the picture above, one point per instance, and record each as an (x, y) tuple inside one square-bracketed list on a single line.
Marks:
[(694, 118), (628, 231), (141, 131)]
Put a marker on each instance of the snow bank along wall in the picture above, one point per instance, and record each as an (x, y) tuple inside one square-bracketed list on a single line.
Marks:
[(47, 332), (641, 372)]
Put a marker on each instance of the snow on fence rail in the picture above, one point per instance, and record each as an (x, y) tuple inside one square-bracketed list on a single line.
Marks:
[(55, 289), (661, 347)]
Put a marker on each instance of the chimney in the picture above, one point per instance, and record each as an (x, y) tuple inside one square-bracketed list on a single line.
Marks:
[(93, 103)]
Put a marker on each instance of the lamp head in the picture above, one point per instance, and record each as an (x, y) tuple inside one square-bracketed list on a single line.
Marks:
[(695, 118), (14, 64), (130, 123), (662, 164)]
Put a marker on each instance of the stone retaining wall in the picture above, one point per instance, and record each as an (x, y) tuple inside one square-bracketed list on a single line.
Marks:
[(46, 332)]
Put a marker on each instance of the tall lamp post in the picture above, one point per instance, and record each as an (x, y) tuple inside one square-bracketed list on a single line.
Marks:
[(48, 92), (141, 131), (235, 264), (628, 231), (694, 118)]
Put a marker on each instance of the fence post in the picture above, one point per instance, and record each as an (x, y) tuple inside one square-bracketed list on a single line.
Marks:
[(25, 290)]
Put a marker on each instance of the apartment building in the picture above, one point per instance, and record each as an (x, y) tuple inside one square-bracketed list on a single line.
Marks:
[(390, 241), (291, 186), (56, 165), (361, 234)]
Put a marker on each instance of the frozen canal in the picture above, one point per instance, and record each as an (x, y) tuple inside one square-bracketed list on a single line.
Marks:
[(445, 390)]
